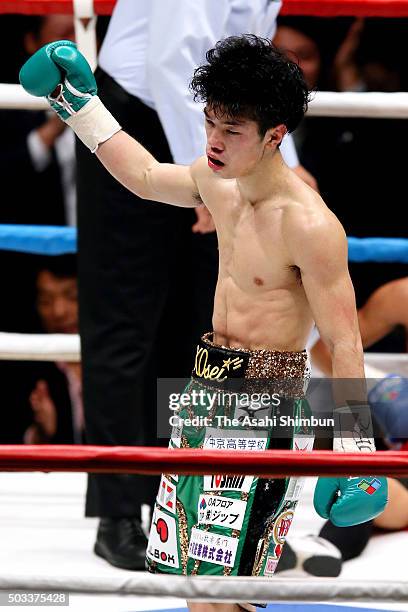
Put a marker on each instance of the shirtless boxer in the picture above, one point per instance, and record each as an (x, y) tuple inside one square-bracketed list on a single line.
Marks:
[(283, 265)]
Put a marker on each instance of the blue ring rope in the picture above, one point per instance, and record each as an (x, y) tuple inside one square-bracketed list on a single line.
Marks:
[(386, 250), (38, 239), (47, 240)]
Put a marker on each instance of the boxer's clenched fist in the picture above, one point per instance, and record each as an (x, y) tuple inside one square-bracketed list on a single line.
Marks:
[(350, 501), (61, 73)]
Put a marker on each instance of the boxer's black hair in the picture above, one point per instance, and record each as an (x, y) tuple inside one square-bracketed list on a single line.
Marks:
[(247, 76)]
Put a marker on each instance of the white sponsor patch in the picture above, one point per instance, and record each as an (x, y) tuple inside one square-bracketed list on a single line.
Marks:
[(221, 482), (303, 443), (294, 489), (270, 566), (162, 545), (221, 511), (242, 440), (212, 547), (166, 496)]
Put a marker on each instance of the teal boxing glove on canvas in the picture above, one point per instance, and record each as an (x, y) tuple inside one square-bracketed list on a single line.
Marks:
[(61, 73), (348, 501)]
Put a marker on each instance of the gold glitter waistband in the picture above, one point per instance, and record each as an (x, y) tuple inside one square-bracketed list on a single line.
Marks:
[(287, 372), (265, 363)]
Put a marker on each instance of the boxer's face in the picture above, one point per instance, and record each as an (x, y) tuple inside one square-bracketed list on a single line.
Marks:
[(57, 303), (234, 145)]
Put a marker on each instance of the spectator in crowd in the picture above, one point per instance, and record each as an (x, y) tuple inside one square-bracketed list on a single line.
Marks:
[(43, 399), (145, 270), (312, 43), (56, 399), (362, 64)]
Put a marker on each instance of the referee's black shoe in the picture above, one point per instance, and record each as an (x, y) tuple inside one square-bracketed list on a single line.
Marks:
[(121, 542)]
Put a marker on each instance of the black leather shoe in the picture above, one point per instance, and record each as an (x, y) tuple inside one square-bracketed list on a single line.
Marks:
[(121, 542)]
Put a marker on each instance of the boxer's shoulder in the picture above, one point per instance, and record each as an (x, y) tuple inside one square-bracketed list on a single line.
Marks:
[(312, 231), (211, 187)]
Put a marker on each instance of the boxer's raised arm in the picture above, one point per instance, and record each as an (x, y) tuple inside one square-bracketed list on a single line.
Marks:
[(134, 167), (62, 74)]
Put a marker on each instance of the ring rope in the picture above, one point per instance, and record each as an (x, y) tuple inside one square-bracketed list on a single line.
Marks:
[(318, 8), (389, 250), (374, 105), (346, 8), (324, 103), (39, 347), (15, 97), (66, 347), (49, 240), (216, 588), (157, 460), (38, 239)]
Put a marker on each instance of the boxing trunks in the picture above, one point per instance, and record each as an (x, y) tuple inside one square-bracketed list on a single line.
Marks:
[(232, 525)]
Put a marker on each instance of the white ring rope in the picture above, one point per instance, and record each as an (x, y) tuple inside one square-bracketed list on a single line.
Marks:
[(216, 588), (39, 347), (14, 96), (66, 347), (324, 103), (359, 104)]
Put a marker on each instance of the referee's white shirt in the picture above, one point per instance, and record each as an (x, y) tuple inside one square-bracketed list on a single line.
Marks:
[(153, 46)]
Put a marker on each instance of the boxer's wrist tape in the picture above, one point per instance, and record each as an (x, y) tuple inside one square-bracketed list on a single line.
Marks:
[(353, 429), (93, 124)]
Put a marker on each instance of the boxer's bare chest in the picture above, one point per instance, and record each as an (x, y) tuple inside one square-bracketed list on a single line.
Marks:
[(253, 248)]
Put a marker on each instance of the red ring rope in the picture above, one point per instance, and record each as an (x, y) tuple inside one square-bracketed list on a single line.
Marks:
[(339, 8), (143, 460), (321, 8)]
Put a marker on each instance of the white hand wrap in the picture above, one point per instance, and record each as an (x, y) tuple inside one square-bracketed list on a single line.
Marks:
[(353, 430), (93, 124)]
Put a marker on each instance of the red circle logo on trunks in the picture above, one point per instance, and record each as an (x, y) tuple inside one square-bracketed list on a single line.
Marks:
[(162, 530)]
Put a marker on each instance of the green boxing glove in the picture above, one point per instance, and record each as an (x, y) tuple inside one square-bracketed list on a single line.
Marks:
[(350, 501), (60, 72)]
